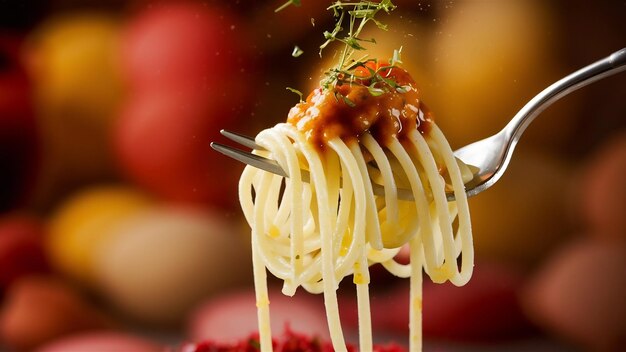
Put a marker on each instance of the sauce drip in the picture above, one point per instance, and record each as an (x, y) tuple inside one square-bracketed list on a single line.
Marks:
[(324, 115)]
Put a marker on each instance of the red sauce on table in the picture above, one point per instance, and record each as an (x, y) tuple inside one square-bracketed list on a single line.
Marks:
[(324, 115)]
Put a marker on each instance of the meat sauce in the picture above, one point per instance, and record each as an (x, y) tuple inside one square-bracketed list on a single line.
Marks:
[(324, 115)]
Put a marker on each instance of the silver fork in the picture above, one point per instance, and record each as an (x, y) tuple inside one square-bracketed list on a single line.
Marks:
[(490, 156)]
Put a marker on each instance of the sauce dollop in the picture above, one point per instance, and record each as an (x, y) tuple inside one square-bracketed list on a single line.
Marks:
[(326, 115)]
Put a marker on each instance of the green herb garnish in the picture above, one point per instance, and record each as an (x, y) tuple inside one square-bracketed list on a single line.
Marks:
[(297, 92), (358, 15), (254, 343), (350, 19), (296, 51), (287, 4)]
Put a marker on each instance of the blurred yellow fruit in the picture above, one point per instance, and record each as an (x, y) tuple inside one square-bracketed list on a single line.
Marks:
[(488, 59), (524, 216), (84, 222), (73, 62), (161, 264), (476, 64)]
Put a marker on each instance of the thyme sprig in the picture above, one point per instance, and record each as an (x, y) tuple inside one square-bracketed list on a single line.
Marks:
[(379, 80), (293, 90), (359, 14), (350, 20), (296, 3)]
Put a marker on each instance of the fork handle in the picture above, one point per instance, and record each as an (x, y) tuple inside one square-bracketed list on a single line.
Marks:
[(598, 70)]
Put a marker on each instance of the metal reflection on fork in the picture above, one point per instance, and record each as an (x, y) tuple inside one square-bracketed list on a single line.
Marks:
[(490, 156), (273, 167)]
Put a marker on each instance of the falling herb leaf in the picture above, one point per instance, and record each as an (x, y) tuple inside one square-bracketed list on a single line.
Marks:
[(296, 51), (396, 58), (345, 99), (297, 92), (375, 91), (350, 19), (359, 13), (403, 89), (287, 4)]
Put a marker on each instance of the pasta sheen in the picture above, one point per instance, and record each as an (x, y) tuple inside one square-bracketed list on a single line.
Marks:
[(313, 233)]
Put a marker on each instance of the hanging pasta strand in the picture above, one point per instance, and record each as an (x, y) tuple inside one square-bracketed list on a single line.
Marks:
[(314, 234)]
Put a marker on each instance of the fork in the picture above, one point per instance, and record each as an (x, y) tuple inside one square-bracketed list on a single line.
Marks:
[(489, 157)]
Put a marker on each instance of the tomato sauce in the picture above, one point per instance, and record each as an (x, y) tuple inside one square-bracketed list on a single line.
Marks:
[(326, 115)]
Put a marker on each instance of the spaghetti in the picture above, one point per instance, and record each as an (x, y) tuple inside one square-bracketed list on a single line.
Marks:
[(312, 233)]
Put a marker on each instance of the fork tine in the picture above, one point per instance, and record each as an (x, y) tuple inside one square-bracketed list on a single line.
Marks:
[(250, 159), (273, 167), (241, 139)]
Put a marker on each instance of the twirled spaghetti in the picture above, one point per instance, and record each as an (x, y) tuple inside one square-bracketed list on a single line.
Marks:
[(322, 224)]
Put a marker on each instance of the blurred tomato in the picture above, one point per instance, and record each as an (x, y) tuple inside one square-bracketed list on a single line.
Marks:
[(231, 317), (84, 222), (18, 134), (486, 309), (101, 341), (187, 43), (579, 294), (603, 197), (21, 248), (190, 76), (38, 309), (73, 60), (163, 144)]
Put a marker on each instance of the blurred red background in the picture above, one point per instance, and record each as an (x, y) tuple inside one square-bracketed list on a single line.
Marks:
[(119, 224)]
